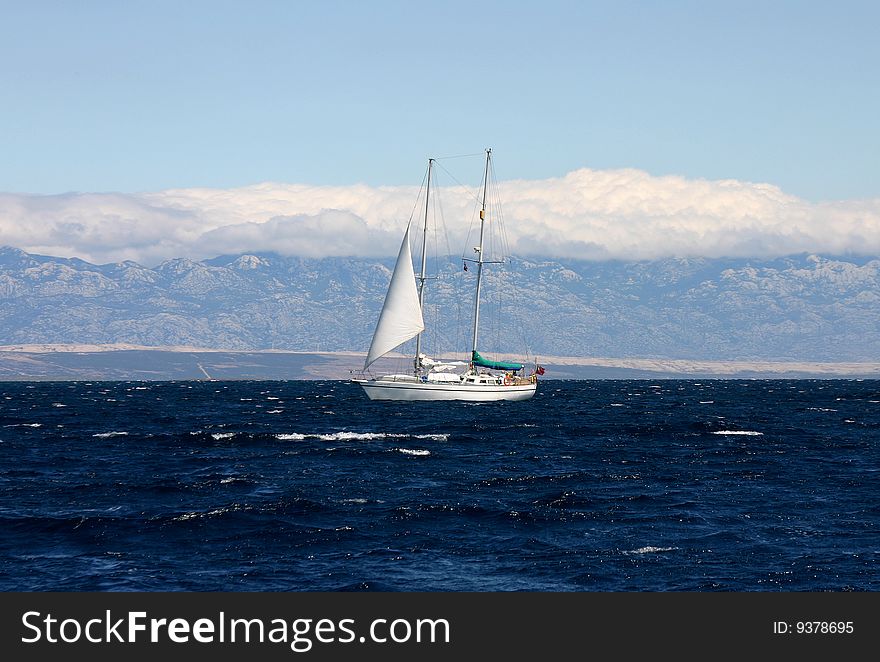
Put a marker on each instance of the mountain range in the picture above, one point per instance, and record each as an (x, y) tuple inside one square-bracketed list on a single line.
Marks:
[(795, 308)]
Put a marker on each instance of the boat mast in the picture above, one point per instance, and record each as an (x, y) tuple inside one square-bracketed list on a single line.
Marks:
[(422, 277), (479, 251)]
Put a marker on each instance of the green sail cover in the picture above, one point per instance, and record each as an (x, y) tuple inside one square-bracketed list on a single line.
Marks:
[(494, 365)]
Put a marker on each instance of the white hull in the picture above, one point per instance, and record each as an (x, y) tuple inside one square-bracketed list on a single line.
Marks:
[(379, 389)]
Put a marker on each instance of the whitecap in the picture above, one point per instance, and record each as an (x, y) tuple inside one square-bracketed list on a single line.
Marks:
[(745, 433), (345, 435), (223, 435), (186, 516), (114, 433), (413, 451), (651, 550), (355, 436), (275, 411), (58, 404), (210, 513), (442, 437)]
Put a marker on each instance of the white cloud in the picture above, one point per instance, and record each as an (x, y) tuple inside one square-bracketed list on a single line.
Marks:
[(327, 233), (627, 214)]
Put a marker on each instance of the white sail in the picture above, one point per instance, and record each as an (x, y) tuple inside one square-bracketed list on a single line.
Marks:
[(401, 316)]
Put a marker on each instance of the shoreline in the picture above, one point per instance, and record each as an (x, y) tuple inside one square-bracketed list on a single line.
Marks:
[(74, 361)]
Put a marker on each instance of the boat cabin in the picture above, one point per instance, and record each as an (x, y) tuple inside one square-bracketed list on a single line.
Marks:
[(483, 378)]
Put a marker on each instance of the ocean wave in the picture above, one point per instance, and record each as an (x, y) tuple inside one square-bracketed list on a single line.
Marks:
[(745, 433), (568, 505), (114, 433), (205, 514), (356, 436), (650, 550)]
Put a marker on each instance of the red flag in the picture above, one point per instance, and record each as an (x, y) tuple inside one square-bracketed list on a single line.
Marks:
[(539, 370)]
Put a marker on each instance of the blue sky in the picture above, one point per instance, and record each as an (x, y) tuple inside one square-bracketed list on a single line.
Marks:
[(145, 96)]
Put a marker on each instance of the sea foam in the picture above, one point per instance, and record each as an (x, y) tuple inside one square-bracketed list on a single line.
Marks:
[(745, 433)]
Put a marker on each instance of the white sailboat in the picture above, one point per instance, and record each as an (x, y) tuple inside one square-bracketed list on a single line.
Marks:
[(477, 379)]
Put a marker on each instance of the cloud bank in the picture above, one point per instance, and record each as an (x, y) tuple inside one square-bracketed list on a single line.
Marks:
[(589, 214)]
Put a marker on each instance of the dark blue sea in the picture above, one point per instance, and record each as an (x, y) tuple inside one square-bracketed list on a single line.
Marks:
[(712, 485)]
